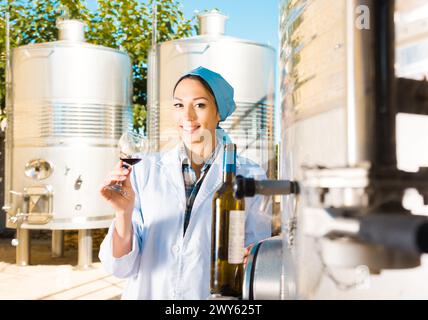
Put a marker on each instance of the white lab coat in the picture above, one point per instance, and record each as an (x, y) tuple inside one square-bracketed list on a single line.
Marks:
[(163, 264)]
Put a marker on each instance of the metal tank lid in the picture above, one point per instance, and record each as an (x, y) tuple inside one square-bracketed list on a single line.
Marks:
[(71, 30), (212, 22)]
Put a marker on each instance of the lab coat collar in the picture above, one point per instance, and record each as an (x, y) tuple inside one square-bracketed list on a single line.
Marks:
[(171, 162)]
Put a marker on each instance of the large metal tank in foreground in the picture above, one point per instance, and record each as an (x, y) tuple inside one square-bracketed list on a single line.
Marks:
[(70, 102), (248, 66), (341, 133)]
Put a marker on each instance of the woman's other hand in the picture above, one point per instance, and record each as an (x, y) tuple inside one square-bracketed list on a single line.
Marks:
[(247, 252)]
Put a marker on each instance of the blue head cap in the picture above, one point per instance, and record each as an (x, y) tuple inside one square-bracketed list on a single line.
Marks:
[(223, 91)]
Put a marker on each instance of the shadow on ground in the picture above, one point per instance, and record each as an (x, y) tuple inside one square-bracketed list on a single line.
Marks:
[(40, 248)]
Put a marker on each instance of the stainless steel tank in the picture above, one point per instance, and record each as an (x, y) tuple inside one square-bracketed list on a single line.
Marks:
[(339, 129), (262, 277), (70, 102), (248, 66)]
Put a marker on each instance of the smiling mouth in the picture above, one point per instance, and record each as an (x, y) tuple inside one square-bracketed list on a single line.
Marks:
[(190, 129)]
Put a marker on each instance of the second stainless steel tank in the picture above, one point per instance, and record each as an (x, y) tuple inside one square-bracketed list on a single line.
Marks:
[(248, 66)]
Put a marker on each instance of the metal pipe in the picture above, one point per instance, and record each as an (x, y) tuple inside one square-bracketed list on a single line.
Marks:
[(384, 56), (371, 85), (9, 116), (152, 77), (84, 260), (248, 187), (23, 247), (274, 187), (57, 243), (398, 231)]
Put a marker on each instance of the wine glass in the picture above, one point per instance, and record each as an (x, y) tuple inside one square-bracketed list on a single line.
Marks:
[(132, 147)]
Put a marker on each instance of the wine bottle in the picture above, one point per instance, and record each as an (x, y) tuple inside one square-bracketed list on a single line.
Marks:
[(228, 233)]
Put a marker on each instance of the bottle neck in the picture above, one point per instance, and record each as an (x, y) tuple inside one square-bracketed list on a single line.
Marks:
[(228, 177), (229, 163)]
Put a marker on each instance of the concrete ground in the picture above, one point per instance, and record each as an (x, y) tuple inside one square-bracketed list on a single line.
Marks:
[(50, 278)]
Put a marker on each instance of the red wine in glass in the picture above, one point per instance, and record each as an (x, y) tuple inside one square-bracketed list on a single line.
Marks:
[(131, 161)]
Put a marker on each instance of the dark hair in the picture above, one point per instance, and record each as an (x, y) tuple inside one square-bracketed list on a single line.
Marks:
[(201, 80)]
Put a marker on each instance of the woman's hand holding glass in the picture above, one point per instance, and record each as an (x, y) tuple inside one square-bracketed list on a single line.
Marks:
[(119, 202), (117, 188), (123, 205)]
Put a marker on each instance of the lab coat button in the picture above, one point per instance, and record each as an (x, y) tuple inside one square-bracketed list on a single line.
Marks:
[(176, 248)]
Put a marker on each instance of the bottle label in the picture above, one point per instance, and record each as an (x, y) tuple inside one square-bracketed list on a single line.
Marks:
[(236, 237)]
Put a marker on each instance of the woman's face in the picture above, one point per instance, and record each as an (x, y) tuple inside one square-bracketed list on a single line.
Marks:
[(195, 112)]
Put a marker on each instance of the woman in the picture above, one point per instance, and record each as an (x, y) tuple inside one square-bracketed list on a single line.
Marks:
[(160, 238)]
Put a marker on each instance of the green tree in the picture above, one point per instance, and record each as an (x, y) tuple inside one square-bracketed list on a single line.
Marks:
[(120, 24)]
